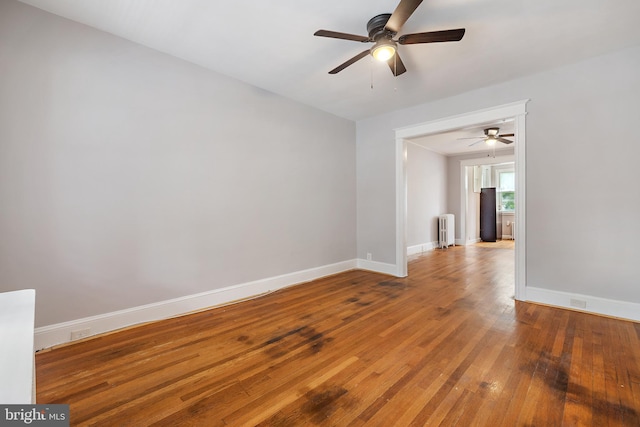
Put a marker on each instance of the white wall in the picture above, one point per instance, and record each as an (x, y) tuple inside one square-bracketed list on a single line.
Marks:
[(580, 161), (129, 177), (426, 194)]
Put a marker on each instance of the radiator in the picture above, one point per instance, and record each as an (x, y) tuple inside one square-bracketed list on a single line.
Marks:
[(446, 230)]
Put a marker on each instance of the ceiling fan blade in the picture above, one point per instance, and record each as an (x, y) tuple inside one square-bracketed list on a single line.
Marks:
[(349, 62), (506, 134), (342, 36), (396, 65), (505, 141), (471, 137), (399, 16), (477, 142), (433, 37)]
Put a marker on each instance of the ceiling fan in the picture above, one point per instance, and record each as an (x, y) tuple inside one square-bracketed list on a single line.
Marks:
[(491, 136), (382, 29)]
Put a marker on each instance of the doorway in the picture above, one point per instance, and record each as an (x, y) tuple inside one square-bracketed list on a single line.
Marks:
[(515, 111), (469, 189)]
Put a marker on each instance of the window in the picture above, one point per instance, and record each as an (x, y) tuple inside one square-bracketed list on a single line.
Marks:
[(507, 201), (506, 191)]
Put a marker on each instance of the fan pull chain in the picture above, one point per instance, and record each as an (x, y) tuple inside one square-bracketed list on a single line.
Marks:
[(371, 68)]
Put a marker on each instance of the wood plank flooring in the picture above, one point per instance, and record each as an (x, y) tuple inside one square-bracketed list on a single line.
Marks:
[(446, 346)]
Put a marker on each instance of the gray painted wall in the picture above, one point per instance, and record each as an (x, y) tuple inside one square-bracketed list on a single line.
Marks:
[(426, 194), (582, 187), (129, 177)]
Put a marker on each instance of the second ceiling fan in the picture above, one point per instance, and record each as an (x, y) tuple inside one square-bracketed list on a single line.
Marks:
[(491, 136), (382, 29)]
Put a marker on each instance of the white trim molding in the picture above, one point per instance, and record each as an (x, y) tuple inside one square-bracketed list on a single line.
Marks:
[(423, 247), (48, 336), (462, 242), (467, 119), (585, 303), (401, 268), (377, 267), (521, 206)]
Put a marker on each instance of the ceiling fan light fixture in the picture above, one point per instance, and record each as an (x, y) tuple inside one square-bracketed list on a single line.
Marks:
[(491, 141), (383, 50)]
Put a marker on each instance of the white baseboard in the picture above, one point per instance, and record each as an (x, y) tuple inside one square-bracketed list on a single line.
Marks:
[(378, 267), (48, 336), (462, 242), (424, 247), (586, 303)]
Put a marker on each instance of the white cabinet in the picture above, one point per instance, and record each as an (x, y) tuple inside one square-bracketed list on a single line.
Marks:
[(17, 359)]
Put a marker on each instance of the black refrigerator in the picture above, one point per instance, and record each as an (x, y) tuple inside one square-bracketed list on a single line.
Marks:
[(488, 229)]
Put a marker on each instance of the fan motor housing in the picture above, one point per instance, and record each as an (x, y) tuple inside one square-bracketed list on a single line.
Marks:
[(375, 26)]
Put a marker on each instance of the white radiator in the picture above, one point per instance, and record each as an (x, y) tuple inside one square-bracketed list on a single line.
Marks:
[(446, 230)]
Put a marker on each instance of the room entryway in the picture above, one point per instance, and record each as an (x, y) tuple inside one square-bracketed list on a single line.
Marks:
[(515, 112)]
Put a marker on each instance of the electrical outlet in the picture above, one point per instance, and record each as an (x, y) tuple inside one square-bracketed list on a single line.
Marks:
[(80, 333), (368, 256)]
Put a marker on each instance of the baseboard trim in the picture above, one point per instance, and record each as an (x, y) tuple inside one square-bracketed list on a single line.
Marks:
[(424, 247), (378, 267), (60, 333), (595, 305), (51, 335)]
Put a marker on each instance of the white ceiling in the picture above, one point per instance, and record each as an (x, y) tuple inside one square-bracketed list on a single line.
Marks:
[(270, 44), (465, 141)]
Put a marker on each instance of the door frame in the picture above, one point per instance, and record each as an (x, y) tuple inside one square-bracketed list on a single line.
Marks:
[(517, 112)]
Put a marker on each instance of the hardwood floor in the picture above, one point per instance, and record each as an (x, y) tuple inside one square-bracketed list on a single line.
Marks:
[(446, 346), (498, 244)]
